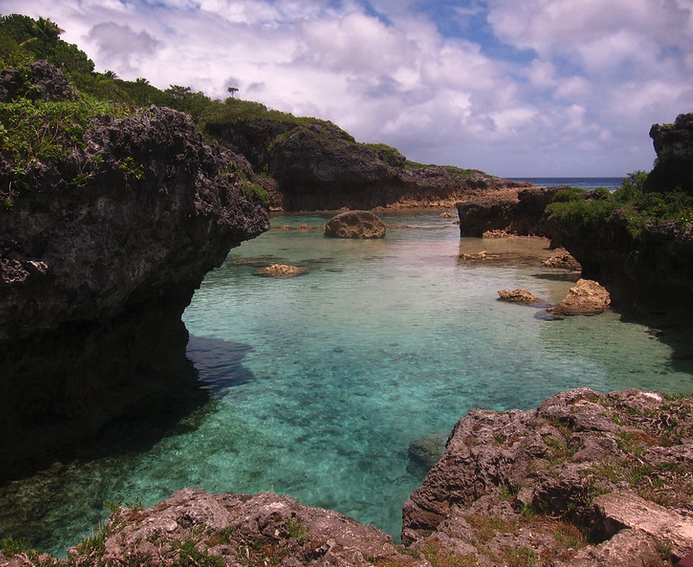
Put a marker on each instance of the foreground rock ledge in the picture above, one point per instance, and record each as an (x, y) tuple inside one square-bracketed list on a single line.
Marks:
[(586, 479)]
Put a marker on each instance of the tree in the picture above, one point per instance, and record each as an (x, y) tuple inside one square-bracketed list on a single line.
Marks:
[(47, 30), (233, 91), (178, 92)]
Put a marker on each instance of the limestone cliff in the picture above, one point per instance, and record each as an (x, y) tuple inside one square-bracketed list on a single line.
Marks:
[(673, 144), (648, 266), (315, 165), (637, 242), (101, 249)]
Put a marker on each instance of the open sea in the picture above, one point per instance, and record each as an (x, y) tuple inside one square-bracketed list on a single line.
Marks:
[(320, 382), (611, 183)]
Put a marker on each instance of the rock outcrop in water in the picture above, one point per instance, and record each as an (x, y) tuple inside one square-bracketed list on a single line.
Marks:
[(646, 264), (523, 216), (101, 250), (586, 297), (652, 270), (355, 224), (586, 479)]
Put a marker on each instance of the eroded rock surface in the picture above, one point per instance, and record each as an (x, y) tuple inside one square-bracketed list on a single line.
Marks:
[(517, 296), (673, 144), (523, 216), (196, 528), (101, 250), (319, 166), (586, 479), (563, 260), (355, 224), (586, 297), (280, 271)]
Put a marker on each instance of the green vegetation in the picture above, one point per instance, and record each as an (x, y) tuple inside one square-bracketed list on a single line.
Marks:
[(189, 554), (32, 129), (630, 203), (10, 546), (437, 557), (255, 191)]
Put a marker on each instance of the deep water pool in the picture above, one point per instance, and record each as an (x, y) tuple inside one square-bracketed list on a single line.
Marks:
[(320, 382)]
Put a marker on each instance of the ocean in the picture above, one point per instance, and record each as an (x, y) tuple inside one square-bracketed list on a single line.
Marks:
[(611, 183), (319, 383)]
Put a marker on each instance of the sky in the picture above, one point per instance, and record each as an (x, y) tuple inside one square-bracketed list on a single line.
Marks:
[(517, 88)]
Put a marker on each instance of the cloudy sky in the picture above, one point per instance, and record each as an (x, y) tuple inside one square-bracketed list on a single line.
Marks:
[(513, 87)]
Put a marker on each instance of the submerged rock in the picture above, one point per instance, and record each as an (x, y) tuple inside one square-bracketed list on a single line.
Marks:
[(355, 224), (428, 450), (280, 271), (586, 297)]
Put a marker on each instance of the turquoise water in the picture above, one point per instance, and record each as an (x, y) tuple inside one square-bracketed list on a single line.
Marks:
[(320, 382)]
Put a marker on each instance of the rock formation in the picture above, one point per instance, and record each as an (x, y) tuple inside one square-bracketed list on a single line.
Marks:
[(648, 267), (428, 450), (196, 528), (101, 250), (586, 479), (355, 224), (317, 166), (523, 216), (673, 144), (280, 271), (586, 297), (517, 296), (563, 260)]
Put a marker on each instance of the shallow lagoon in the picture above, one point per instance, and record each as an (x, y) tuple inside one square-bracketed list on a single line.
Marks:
[(320, 382)]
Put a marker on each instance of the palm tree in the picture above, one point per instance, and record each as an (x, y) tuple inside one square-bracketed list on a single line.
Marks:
[(233, 91), (47, 30)]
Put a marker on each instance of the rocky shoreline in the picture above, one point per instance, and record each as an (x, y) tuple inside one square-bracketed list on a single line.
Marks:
[(585, 479), (101, 251)]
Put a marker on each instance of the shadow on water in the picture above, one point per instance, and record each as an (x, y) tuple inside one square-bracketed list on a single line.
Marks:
[(220, 363), (51, 492), (675, 331)]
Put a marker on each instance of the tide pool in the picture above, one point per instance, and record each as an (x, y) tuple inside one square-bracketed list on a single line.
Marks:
[(320, 382)]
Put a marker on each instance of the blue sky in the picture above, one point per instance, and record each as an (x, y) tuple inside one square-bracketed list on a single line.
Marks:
[(512, 87)]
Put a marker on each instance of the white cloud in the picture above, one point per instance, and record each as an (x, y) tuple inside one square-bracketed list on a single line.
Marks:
[(122, 46), (566, 87)]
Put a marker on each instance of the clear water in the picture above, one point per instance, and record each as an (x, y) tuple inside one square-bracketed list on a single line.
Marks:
[(321, 381)]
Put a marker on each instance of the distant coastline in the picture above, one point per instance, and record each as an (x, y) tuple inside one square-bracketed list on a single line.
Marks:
[(610, 183)]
